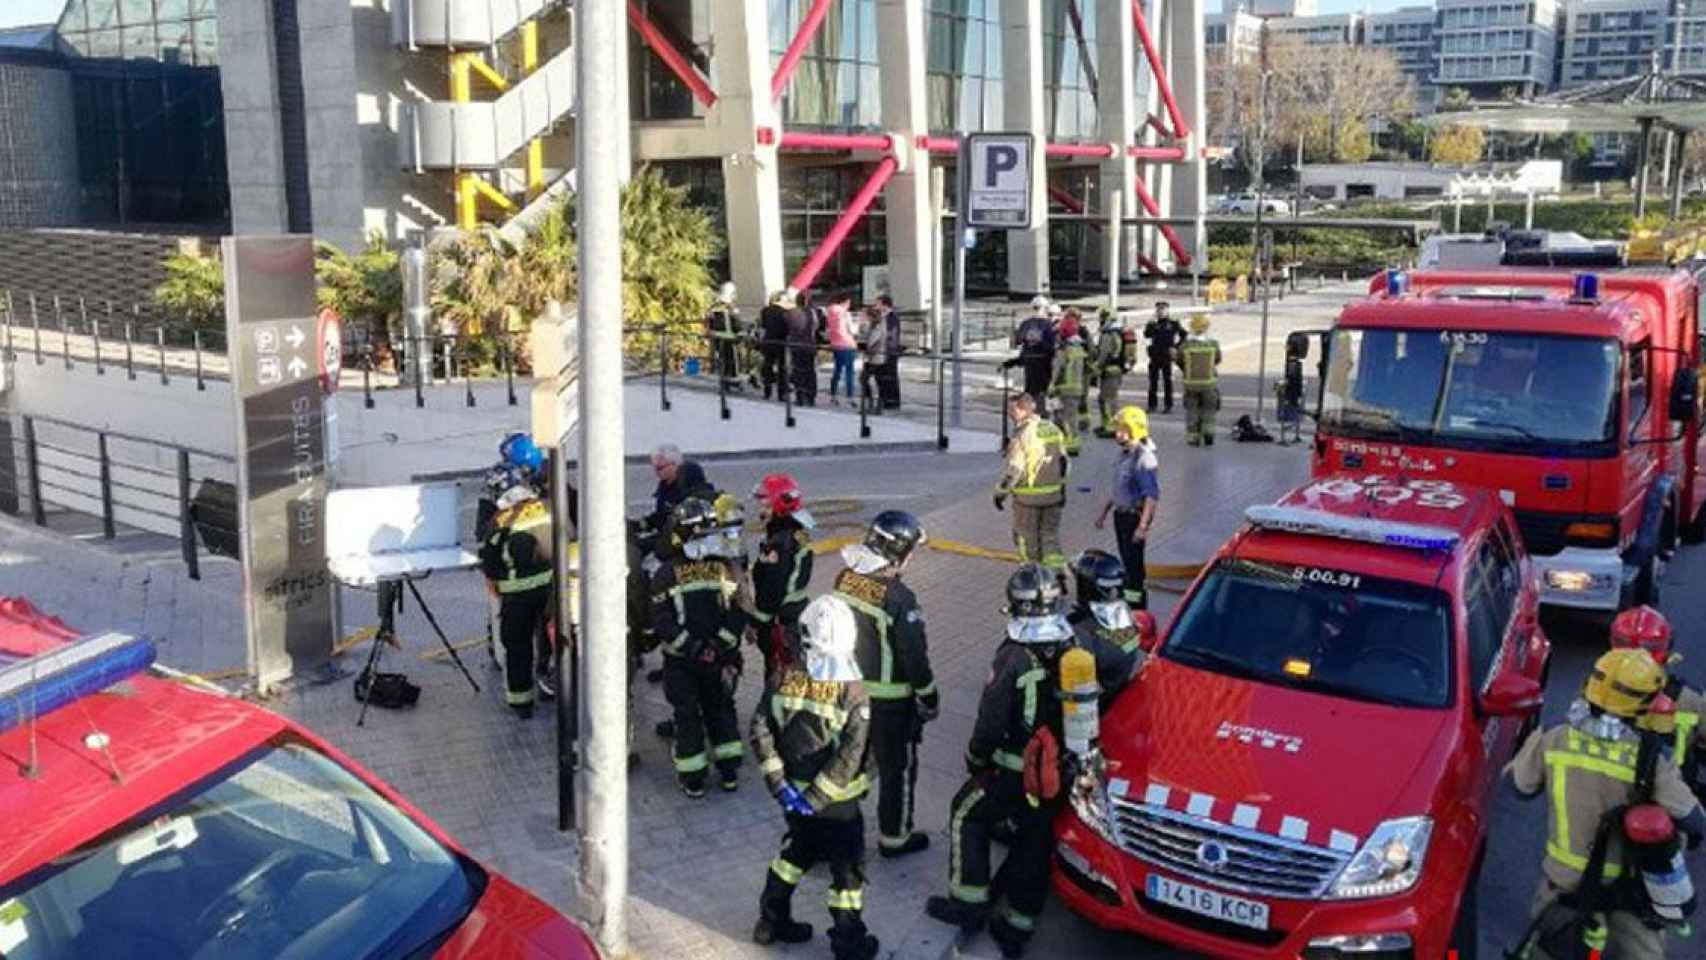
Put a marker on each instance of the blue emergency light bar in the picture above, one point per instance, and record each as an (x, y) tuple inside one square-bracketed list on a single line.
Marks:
[(1394, 282), (1319, 523), (1585, 288), (47, 681)]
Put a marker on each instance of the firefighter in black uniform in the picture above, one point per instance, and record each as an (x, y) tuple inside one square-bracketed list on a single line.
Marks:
[(895, 661), (1164, 335), (1035, 340), (781, 571), (699, 614), (1018, 703), (811, 737), (516, 559), (1104, 622)]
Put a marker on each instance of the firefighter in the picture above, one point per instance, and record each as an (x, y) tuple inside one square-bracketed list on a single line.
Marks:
[(1199, 358), (895, 660), (1136, 493), (1068, 385), (811, 734), (781, 571), (1164, 335), (1644, 628), (1035, 477), (723, 323), (1112, 360), (699, 609), (1034, 339), (1018, 702), (1588, 765), (516, 560), (1104, 620)]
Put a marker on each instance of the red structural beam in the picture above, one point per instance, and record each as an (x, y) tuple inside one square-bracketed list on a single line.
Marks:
[(1156, 153), (670, 56), (1154, 209), (1180, 129), (835, 141), (1102, 150), (849, 218), (797, 49), (941, 144), (1072, 205)]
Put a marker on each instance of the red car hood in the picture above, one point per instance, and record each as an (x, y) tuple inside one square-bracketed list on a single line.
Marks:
[(1311, 768), (511, 924)]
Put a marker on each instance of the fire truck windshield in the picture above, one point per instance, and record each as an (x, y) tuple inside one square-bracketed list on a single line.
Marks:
[(1472, 388), (284, 853), (1334, 632)]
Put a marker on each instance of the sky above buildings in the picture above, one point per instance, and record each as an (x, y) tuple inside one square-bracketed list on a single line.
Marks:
[(18, 13)]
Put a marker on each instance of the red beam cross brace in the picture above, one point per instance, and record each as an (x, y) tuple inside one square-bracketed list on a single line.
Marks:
[(797, 48), (670, 56), (844, 225), (1163, 83), (1154, 209), (1072, 205)]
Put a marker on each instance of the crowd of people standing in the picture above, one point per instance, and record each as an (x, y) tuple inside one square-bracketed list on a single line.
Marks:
[(778, 353)]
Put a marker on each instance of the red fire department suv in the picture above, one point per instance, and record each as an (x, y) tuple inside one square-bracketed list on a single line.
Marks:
[(1574, 396), (141, 816), (1305, 765)]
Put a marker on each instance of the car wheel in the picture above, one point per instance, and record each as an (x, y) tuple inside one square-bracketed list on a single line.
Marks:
[(1466, 933)]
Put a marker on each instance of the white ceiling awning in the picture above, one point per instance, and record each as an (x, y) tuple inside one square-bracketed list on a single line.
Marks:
[(1614, 106)]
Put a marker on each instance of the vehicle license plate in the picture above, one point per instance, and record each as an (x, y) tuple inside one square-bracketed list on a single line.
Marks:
[(1245, 913)]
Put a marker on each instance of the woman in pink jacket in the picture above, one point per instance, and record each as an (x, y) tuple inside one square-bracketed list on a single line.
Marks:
[(843, 343)]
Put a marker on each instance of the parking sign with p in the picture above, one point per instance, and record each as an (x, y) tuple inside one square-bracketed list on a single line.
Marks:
[(998, 192)]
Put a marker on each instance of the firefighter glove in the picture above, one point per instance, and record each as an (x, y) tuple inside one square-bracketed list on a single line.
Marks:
[(1000, 501), (793, 801)]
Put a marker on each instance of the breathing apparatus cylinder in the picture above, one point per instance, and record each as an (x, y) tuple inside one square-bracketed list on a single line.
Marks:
[(1655, 852), (1080, 711)]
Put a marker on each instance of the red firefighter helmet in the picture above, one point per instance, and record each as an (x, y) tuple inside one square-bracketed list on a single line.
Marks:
[(1648, 825), (779, 493), (1642, 628), (1069, 326)]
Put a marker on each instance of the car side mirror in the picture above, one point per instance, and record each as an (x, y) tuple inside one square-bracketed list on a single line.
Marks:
[(1512, 695), (1148, 637), (1685, 394)]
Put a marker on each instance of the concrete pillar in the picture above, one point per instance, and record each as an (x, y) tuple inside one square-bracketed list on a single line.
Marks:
[(1189, 189), (329, 89), (1116, 69), (740, 34), (1023, 90), (905, 113), (248, 84)]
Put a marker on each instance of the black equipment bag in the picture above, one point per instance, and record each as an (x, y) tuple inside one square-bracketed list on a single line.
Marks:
[(393, 691)]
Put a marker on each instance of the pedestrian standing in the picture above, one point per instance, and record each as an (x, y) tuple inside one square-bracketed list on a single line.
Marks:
[(1111, 360), (723, 325), (876, 360), (841, 329), (811, 735), (699, 608), (1132, 500), (894, 659), (1199, 358), (888, 378), (1164, 336), (1034, 475), (1069, 385), (802, 351), (1034, 339), (773, 340)]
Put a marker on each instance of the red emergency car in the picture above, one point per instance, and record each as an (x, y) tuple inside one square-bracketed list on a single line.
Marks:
[(1306, 763), (145, 816)]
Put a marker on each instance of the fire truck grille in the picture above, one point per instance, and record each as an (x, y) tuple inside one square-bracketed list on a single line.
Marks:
[(1252, 862), (1542, 533)]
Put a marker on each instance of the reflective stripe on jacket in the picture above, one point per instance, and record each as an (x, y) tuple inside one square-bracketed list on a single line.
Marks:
[(1199, 356), (892, 652), (1036, 464), (814, 735)]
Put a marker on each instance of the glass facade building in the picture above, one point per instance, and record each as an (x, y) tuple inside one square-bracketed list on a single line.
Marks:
[(169, 31)]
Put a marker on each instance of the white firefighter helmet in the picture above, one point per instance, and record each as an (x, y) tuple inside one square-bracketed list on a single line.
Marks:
[(726, 292), (828, 634), (1039, 303)]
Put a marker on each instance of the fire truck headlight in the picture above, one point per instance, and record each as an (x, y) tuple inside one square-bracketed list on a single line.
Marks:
[(1390, 861), (1577, 581)]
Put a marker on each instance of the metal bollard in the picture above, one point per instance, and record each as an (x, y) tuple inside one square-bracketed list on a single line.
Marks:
[(32, 460), (663, 368), (722, 384), (107, 526), (509, 366), (130, 343), (64, 333), (160, 338), (421, 360), (367, 377), (35, 326), (864, 409), (11, 320), (200, 384), (1006, 395), (186, 517), (787, 385), (467, 383)]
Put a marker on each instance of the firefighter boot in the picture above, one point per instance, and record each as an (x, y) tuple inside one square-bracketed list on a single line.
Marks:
[(1010, 938), (780, 930), (966, 916), (852, 943)]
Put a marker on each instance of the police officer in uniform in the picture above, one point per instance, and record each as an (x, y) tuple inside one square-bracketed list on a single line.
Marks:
[(699, 609), (724, 325), (781, 571), (1110, 363), (1199, 359), (1643, 628), (894, 659), (1035, 477), (516, 560), (1164, 335), (1035, 341), (1069, 385), (1587, 765), (811, 735), (1018, 701)]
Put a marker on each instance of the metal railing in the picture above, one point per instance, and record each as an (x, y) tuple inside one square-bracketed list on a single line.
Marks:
[(49, 465)]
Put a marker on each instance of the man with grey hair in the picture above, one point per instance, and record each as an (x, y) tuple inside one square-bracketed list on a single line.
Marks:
[(678, 479)]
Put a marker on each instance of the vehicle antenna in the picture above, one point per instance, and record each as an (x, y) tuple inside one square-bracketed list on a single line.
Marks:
[(100, 741), (32, 768)]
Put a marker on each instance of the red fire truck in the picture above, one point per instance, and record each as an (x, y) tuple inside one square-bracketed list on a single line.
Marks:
[(145, 815), (1306, 765), (1573, 395)]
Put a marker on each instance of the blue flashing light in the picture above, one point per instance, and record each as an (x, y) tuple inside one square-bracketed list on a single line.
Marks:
[(1586, 288), (33, 687), (1395, 280), (1418, 542)]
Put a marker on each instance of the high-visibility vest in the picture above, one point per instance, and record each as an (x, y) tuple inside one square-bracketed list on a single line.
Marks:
[(533, 519), (1069, 378), (1686, 724), (1198, 355), (1042, 448), (1110, 351), (1583, 755)]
